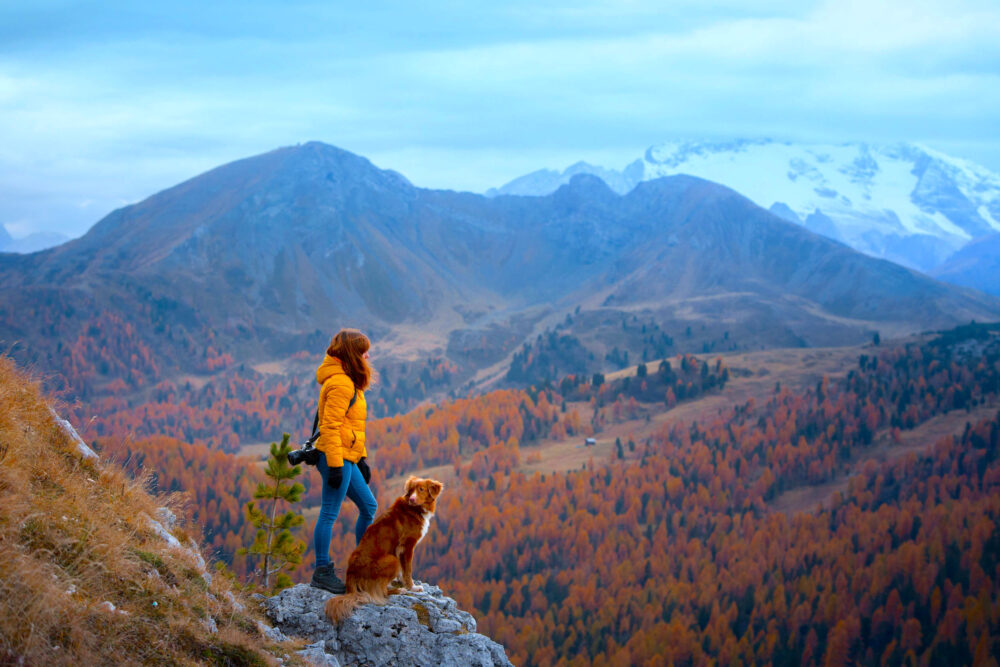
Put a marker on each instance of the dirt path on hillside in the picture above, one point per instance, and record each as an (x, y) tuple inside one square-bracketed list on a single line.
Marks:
[(916, 441)]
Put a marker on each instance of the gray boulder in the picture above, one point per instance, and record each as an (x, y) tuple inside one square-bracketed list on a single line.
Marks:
[(412, 629)]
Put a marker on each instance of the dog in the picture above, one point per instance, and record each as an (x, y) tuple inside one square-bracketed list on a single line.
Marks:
[(385, 552)]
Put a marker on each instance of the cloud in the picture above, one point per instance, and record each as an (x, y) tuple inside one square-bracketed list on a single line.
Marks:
[(110, 103), (833, 37)]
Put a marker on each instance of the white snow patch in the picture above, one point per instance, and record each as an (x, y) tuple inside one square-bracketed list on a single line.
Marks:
[(853, 184), (868, 191), (985, 214)]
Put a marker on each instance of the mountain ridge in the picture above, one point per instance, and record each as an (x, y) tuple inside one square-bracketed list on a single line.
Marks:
[(976, 265), (30, 243), (904, 202), (266, 256)]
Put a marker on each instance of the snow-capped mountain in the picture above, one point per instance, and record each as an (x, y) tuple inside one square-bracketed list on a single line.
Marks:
[(270, 252), (904, 202)]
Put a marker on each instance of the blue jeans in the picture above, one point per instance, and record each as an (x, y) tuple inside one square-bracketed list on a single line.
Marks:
[(354, 487)]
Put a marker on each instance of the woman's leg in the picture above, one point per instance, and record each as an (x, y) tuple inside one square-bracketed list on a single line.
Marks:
[(361, 494), (328, 511)]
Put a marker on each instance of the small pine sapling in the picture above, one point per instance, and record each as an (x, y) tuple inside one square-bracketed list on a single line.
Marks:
[(273, 542)]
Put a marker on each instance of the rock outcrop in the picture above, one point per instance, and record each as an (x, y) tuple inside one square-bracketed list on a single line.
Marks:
[(425, 628)]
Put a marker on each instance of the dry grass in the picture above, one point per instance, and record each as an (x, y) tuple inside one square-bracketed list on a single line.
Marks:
[(274, 367), (76, 535), (258, 451)]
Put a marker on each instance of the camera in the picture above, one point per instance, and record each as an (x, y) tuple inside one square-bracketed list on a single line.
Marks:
[(305, 454)]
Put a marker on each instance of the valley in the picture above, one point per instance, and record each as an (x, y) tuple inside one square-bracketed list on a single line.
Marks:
[(789, 447), (779, 420), (746, 496), (723, 391), (754, 377), (279, 250)]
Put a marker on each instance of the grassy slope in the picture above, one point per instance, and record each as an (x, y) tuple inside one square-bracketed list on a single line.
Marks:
[(84, 577)]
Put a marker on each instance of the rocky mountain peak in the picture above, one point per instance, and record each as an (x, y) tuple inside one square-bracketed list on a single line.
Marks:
[(586, 186), (315, 160), (254, 206)]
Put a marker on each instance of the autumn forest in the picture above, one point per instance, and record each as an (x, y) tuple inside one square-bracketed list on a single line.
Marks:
[(674, 548)]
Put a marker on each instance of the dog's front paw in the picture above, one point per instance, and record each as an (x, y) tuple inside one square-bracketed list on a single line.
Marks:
[(416, 588)]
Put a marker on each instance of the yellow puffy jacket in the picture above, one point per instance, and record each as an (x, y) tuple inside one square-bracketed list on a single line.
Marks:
[(341, 430)]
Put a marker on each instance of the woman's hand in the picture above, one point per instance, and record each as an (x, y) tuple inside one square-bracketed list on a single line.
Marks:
[(366, 472), (335, 477)]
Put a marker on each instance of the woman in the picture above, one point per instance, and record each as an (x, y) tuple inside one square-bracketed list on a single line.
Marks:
[(344, 376)]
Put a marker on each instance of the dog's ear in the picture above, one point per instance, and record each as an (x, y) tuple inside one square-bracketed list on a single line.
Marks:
[(435, 487), (410, 483)]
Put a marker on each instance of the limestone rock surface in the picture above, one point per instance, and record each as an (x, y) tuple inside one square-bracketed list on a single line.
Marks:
[(425, 628)]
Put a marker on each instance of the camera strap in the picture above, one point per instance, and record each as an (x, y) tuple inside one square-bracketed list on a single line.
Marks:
[(315, 432)]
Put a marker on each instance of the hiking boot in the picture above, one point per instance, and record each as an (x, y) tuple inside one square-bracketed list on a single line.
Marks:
[(325, 578)]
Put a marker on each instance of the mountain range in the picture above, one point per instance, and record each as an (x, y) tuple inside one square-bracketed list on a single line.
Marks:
[(31, 242), (976, 265), (903, 202), (265, 257)]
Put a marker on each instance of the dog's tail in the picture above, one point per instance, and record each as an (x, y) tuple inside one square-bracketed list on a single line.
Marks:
[(340, 607)]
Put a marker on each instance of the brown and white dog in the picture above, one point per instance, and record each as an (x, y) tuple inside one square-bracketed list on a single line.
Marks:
[(386, 550)]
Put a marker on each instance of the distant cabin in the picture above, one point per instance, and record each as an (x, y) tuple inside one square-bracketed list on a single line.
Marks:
[(589, 442)]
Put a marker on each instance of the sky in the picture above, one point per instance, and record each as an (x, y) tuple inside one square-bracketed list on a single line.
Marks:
[(103, 104)]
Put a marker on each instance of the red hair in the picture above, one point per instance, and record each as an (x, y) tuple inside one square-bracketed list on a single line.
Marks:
[(349, 345)]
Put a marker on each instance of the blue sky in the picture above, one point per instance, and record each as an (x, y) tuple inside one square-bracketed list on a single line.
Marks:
[(103, 104)]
